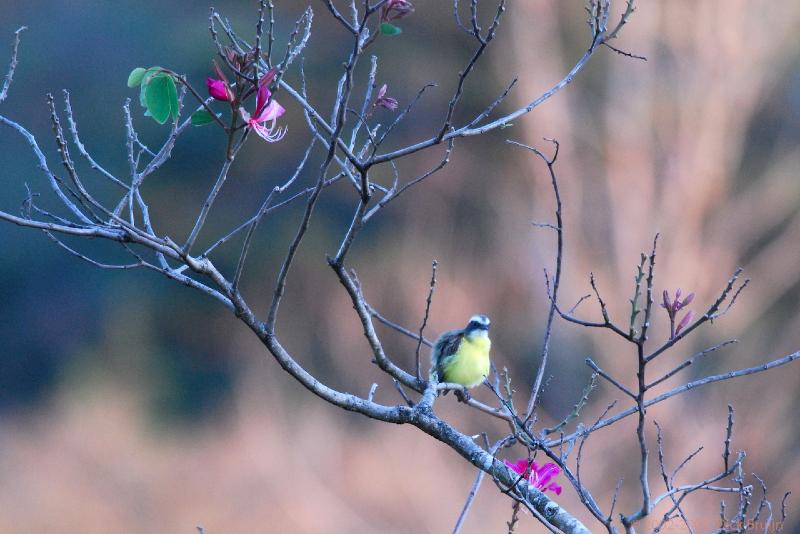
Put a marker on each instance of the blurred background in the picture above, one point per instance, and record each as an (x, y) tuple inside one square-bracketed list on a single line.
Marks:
[(129, 403)]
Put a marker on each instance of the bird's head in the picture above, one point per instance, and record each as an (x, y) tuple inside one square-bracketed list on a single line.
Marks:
[(478, 324)]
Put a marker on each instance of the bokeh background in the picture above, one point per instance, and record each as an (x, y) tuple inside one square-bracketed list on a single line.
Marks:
[(131, 404)]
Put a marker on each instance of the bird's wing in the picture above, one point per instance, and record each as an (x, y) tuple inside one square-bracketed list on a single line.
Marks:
[(444, 349)]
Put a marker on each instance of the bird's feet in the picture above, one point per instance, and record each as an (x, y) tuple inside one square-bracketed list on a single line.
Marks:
[(463, 395)]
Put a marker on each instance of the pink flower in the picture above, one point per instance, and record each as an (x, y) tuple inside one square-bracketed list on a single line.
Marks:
[(385, 101), (266, 112), (539, 477), (676, 305), (396, 9), (673, 307), (219, 90)]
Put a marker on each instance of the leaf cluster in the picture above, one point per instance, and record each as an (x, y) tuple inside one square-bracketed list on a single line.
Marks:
[(158, 94)]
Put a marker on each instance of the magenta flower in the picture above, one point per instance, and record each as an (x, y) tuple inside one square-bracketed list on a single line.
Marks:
[(673, 307), (267, 111), (539, 477), (384, 101), (219, 90), (396, 9)]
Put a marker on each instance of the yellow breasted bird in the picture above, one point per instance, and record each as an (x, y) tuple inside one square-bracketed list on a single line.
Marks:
[(462, 356)]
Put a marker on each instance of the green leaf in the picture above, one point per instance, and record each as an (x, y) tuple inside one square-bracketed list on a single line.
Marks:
[(172, 94), (158, 98), (148, 75), (390, 29), (201, 117), (135, 77)]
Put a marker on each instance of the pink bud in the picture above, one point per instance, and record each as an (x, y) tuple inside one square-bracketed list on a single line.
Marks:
[(684, 322), (396, 9), (666, 305), (688, 300), (232, 55), (267, 78), (219, 73), (219, 90), (385, 101)]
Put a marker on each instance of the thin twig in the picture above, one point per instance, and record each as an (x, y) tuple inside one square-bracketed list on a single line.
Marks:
[(608, 377), (552, 292), (690, 361), (474, 489), (12, 66), (684, 388), (425, 318), (728, 433)]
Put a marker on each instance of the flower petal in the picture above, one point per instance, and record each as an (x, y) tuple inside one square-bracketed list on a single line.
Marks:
[(546, 473), (684, 322), (270, 112), (519, 467), (262, 98)]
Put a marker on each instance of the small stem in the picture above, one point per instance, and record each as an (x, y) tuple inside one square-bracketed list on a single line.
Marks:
[(425, 319)]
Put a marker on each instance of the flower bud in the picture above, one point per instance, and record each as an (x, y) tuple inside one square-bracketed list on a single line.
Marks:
[(684, 322), (396, 9), (219, 90), (384, 101)]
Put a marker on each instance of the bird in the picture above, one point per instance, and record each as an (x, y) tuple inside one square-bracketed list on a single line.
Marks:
[(462, 356)]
